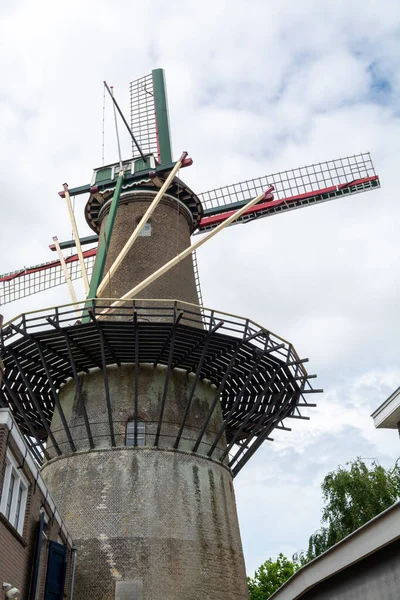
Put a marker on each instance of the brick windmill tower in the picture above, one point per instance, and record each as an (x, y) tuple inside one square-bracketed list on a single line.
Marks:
[(143, 410)]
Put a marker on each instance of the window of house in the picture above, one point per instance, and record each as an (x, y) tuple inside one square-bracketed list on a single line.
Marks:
[(130, 433), (14, 494), (46, 518), (146, 231)]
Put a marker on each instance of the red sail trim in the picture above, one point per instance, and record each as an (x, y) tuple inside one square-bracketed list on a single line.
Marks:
[(216, 219), (357, 182), (206, 221), (50, 265)]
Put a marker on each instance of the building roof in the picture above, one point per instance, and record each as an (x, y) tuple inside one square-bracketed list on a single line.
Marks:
[(387, 416), (379, 532)]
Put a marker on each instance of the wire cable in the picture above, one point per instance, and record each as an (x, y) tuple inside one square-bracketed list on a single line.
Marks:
[(116, 131), (103, 132)]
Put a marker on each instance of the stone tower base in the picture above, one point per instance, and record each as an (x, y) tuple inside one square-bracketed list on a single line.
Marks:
[(150, 524)]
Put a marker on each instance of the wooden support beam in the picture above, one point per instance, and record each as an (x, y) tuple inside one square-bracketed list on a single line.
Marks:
[(162, 270), (104, 338), (260, 429), (168, 338), (253, 410), (204, 340), (56, 399), (238, 400), (35, 401), (68, 336), (82, 405), (76, 237), (260, 436), (66, 275), (266, 423), (222, 385), (116, 264), (22, 413), (200, 364)]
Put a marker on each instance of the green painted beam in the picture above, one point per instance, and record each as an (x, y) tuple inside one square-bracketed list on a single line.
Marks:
[(104, 243), (162, 119), (90, 239), (82, 189)]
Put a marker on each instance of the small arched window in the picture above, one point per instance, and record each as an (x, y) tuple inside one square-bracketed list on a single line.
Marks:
[(130, 433), (146, 231)]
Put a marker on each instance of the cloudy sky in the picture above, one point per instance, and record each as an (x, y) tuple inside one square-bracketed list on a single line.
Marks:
[(253, 88)]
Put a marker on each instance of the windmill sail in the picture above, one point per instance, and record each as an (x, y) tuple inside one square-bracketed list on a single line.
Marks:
[(295, 188), (143, 120), (149, 116), (31, 280)]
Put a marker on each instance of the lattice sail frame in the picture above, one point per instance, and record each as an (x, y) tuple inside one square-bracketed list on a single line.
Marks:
[(311, 178), (150, 117), (143, 116), (294, 188), (31, 280)]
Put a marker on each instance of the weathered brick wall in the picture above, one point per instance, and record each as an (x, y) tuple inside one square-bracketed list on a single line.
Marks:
[(171, 229), (150, 389), (17, 551), (163, 518)]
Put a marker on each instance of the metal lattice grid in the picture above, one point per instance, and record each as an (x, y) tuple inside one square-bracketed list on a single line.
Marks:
[(197, 277), (311, 178), (143, 116), (275, 207), (29, 281)]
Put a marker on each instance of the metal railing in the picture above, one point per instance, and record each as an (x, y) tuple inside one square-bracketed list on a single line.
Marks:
[(258, 376)]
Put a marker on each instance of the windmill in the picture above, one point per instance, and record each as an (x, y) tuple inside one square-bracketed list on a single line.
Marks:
[(296, 188), (143, 409)]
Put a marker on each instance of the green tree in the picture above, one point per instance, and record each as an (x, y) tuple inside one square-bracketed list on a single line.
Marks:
[(269, 577), (353, 495)]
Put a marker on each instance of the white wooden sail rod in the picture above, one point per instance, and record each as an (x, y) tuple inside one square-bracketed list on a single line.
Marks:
[(76, 238), (66, 273), (116, 264), (141, 286)]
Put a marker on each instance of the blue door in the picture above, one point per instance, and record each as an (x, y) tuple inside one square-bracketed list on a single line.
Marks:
[(56, 569)]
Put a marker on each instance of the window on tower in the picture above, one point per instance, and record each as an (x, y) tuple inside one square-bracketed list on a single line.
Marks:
[(146, 231), (130, 433)]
